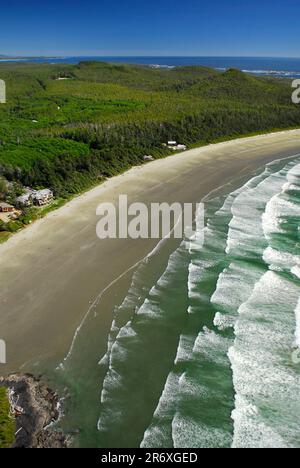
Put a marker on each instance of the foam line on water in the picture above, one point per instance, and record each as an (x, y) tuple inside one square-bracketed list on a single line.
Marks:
[(282, 234), (93, 308), (281, 205), (134, 348), (245, 240), (266, 386), (255, 193), (282, 261), (245, 229), (96, 302), (297, 332), (207, 349), (159, 433), (163, 420), (204, 346), (245, 234)]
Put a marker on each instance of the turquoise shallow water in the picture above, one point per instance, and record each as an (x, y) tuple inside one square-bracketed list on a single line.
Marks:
[(200, 351)]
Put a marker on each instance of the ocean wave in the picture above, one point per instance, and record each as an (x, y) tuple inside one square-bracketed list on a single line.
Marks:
[(159, 433), (192, 434), (245, 236), (238, 298), (144, 347), (282, 205), (266, 72), (282, 261), (279, 73), (263, 381)]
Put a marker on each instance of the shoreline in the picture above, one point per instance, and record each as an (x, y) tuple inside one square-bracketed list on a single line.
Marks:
[(98, 188), (52, 271)]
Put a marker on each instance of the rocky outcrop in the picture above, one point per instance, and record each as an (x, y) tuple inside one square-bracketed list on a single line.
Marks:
[(35, 408)]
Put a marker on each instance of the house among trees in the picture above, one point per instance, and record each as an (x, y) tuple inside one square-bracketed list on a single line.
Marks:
[(42, 197), (35, 197), (173, 145), (25, 200), (181, 148), (6, 208)]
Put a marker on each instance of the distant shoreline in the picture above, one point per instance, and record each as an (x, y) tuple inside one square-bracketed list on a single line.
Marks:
[(259, 66)]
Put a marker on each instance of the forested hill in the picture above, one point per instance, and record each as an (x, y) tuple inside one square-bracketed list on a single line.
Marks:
[(68, 126)]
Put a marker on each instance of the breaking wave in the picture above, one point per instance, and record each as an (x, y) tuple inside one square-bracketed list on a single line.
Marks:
[(201, 355)]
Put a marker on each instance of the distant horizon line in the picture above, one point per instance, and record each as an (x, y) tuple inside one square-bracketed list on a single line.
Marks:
[(145, 56)]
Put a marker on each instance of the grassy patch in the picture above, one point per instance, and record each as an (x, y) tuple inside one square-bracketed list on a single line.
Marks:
[(4, 236), (7, 425)]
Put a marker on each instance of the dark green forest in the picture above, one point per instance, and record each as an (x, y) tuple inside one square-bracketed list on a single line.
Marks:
[(68, 127)]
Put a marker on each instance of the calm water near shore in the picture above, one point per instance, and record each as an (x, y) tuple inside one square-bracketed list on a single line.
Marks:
[(200, 350)]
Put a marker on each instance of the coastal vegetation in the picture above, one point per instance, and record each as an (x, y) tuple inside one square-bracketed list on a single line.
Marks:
[(7, 424), (67, 127)]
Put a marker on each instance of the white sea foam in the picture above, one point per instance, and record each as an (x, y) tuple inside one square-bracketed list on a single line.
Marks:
[(190, 433), (234, 286), (255, 432), (197, 274), (223, 321), (211, 346), (245, 235), (277, 210), (239, 285), (197, 390), (185, 348), (282, 261), (296, 271), (290, 187), (260, 305), (243, 294), (297, 332), (129, 346), (279, 206), (179, 385), (293, 175), (159, 434), (267, 388)]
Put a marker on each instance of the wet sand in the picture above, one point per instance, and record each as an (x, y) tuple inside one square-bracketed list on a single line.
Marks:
[(52, 272)]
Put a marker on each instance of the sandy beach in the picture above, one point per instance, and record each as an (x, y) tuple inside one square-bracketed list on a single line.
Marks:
[(53, 271)]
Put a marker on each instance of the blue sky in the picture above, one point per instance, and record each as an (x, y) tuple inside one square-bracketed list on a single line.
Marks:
[(150, 27)]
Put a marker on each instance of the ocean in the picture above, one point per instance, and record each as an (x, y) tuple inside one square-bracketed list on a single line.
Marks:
[(201, 352), (261, 66)]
